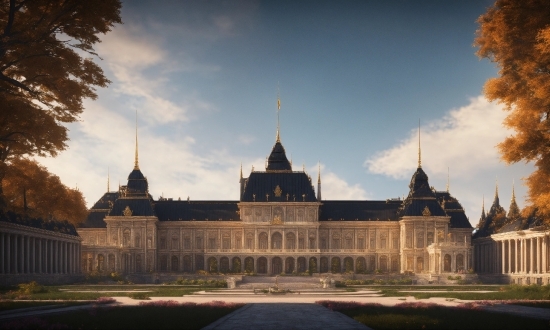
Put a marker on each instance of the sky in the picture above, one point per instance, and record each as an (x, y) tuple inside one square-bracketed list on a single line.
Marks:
[(355, 79)]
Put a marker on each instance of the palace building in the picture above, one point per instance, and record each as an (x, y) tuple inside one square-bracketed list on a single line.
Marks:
[(280, 224)]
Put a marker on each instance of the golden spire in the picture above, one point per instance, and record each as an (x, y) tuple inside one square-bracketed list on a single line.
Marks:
[(278, 108), (108, 185), (447, 179), (419, 151), (136, 162)]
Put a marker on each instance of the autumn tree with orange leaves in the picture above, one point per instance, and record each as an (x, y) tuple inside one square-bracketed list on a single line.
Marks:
[(515, 34), (31, 190), (46, 71)]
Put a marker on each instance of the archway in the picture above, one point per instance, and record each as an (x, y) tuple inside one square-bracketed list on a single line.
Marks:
[(447, 263), (335, 266), (419, 264), (236, 265), (199, 262), (276, 265), (312, 265), (348, 265), (289, 265), (100, 263), (174, 265), (360, 265), (212, 265), (187, 263), (111, 262), (324, 265), (383, 264), (302, 265), (249, 265), (459, 262), (262, 265), (224, 264)]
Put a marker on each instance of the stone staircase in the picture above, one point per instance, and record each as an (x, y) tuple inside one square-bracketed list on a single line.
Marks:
[(284, 282)]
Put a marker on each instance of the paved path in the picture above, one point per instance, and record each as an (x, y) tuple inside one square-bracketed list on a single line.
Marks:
[(285, 316)]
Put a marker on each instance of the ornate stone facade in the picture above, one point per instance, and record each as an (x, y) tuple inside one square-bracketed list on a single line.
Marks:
[(278, 225)]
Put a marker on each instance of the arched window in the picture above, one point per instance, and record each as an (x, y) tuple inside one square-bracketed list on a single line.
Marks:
[(420, 239), (459, 262), (335, 266), (263, 241), (324, 265), (276, 241), (111, 262), (126, 237), (419, 264), (447, 263), (187, 263), (348, 265), (212, 265), (249, 243), (100, 263), (349, 241), (335, 241), (290, 241), (301, 265), (360, 265), (137, 241), (249, 264), (262, 265), (224, 265), (312, 265), (236, 265)]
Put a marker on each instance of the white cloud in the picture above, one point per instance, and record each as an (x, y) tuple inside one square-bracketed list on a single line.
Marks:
[(334, 187), (463, 140)]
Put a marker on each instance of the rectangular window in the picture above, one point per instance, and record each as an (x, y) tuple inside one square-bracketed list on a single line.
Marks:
[(249, 243), (212, 243), (226, 243), (361, 243), (238, 243), (373, 243), (395, 243), (187, 243), (323, 243), (198, 241)]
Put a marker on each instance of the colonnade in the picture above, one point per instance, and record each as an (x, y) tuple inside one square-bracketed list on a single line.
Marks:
[(28, 254), (527, 254)]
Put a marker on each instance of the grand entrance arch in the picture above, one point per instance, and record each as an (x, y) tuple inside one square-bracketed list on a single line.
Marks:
[(289, 265)]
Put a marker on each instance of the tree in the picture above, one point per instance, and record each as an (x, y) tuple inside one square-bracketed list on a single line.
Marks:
[(515, 34), (30, 189), (46, 70)]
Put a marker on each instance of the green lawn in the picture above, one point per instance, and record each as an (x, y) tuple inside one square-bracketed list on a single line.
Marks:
[(428, 316), (163, 315), (92, 292), (505, 292)]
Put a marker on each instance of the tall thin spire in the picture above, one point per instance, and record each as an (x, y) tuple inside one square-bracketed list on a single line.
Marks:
[(319, 173), (278, 109), (241, 170), (136, 162), (419, 151), (448, 179), (496, 188), (108, 179), (319, 183), (483, 207), (513, 191)]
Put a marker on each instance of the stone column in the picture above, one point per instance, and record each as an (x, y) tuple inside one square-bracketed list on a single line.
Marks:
[(66, 264), (39, 268), (49, 254), (531, 256), (27, 254), (15, 254), (509, 255), (544, 254), (8, 254), (503, 257)]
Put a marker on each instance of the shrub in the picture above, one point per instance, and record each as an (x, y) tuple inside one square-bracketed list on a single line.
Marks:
[(139, 296), (31, 288)]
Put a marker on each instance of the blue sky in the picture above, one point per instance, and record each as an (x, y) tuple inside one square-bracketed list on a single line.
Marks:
[(354, 78)]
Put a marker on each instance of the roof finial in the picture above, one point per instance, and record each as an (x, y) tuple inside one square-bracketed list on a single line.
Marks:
[(483, 207), (278, 109), (108, 177), (241, 170), (448, 179), (136, 162), (419, 152)]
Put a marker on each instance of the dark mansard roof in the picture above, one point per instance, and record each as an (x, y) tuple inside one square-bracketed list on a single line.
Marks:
[(421, 196), (293, 187), (137, 184), (168, 210), (454, 209), (100, 209), (359, 210), (141, 207)]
